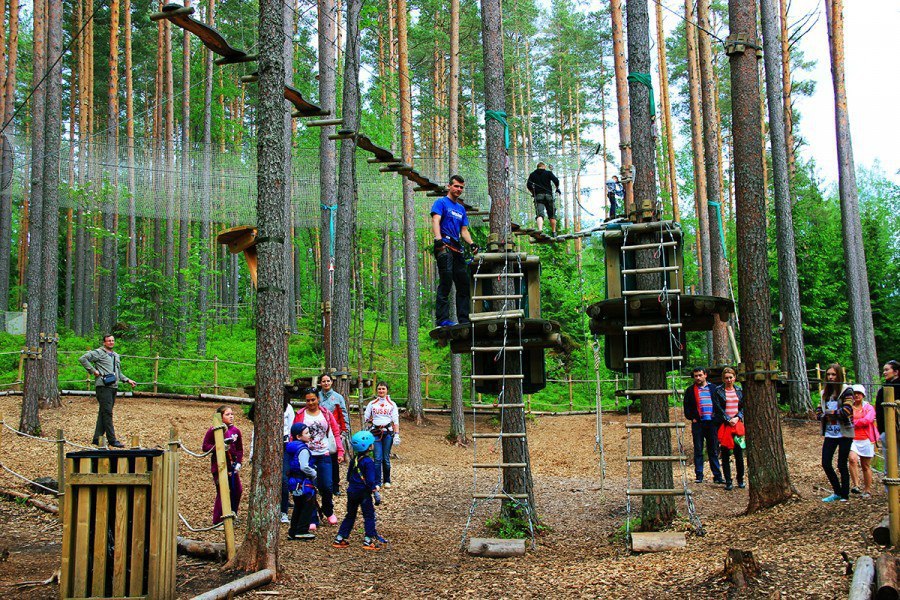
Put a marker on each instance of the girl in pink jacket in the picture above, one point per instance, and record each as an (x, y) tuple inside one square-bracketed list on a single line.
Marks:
[(863, 448)]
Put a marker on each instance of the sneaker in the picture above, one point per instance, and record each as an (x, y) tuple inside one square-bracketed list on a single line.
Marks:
[(117, 444), (741, 484), (285, 518), (340, 542), (387, 485), (844, 499), (302, 536), (831, 498), (376, 496), (338, 492), (855, 490), (728, 487), (719, 480), (446, 323), (698, 480), (371, 544), (312, 527), (332, 520), (865, 495)]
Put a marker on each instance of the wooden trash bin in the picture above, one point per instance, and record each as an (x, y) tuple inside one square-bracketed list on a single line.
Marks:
[(119, 528)]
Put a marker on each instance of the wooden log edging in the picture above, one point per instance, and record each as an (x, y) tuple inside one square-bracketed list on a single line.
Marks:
[(886, 577), (881, 533), (238, 586), (31, 501), (863, 578)]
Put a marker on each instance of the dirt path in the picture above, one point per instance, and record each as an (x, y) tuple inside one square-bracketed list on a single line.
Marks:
[(582, 554)]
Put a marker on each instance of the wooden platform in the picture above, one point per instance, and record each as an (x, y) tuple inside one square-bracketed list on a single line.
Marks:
[(212, 39), (694, 312), (536, 333)]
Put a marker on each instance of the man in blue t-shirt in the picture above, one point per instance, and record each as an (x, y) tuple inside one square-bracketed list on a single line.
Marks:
[(698, 408), (449, 224)]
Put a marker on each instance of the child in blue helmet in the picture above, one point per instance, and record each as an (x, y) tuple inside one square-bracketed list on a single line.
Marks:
[(362, 485), (300, 478)]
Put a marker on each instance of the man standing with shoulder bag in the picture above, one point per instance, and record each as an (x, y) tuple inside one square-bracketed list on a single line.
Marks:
[(106, 366)]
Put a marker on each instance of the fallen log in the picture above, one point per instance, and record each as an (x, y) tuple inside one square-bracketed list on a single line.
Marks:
[(239, 586), (30, 500), (657, 541), (886, 578), (201, 549), (882, 532), (496, 547), (863, 578)]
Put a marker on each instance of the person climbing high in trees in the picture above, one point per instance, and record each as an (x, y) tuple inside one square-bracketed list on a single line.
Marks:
[(615, 191), (540, 184), (449, 224)]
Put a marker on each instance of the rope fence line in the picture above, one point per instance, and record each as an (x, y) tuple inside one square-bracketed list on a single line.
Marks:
[(34, 483), (199, 529)]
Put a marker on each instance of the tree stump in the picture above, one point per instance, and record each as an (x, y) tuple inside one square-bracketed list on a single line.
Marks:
[(740, 565)]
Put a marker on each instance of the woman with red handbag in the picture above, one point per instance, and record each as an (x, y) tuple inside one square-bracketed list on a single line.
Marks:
[(728, 409)]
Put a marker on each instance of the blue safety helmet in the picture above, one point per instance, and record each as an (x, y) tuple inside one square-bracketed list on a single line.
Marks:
[(361, 441)]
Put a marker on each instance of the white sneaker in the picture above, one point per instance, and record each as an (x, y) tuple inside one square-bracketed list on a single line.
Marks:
[(285, 518), (387, 485)]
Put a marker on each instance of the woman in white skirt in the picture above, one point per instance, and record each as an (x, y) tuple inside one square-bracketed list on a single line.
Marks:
[(863, 448)]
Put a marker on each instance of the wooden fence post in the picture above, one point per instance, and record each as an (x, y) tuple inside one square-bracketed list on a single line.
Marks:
[(427, 384), (890, 462), (155, 373), (819, 376), (216, 374), (224, 490), (571, 393), (61, 472), (21, 379)]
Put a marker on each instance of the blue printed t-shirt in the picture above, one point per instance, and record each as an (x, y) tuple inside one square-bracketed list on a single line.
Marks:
[(706, 407), (453, 217)]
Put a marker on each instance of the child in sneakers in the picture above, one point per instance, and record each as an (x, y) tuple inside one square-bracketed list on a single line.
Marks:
[(362, 485), (300, 478)]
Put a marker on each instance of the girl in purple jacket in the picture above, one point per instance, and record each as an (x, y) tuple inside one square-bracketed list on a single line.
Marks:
[(234, 456)]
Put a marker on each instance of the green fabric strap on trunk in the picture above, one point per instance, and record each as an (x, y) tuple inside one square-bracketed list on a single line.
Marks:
[(331, 210), (500, 117), (718, 208), (645, 79)]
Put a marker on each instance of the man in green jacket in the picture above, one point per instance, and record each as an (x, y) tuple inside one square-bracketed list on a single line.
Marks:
[(104, 362)]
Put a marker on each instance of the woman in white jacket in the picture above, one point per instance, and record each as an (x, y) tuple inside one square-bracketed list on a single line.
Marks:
[(383, 420)]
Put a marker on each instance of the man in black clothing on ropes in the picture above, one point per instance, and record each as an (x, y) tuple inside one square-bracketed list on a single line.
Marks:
[(540, 184)]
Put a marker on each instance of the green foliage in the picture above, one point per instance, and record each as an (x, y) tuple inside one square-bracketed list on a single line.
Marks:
[(513, 523)]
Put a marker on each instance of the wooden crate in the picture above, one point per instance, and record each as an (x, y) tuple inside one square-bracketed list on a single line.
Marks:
[(119, 524)]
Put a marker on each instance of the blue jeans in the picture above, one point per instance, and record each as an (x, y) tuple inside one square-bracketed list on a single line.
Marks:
[(383, 457), (354, 501), (322, 464), (706, 431)]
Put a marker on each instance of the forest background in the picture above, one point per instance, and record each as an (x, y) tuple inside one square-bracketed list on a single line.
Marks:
[(561, 101)]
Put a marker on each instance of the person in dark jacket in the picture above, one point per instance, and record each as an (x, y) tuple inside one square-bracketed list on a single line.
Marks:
[(891, 372), (362, 487), (698, 408), (540, 184), (103, 363), (728, 408), (300, 481)]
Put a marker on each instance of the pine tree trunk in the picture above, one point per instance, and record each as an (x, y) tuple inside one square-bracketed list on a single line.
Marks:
[(667, 113), (716, 263), (411, 263), (346, 212), (259, 549), (49, 304), (515, 450), (184, 217), (657, 511), (766, 463), (7, 164), (129, 140), (108, 253), (29, 421), (618, 39), (169, 94), (786, 90), (290, 314), (788, 285), (205, 195), (862, 333), (327, 168)]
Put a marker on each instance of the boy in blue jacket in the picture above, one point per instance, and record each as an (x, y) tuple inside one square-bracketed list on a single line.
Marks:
[(362, 485), (300, 480)]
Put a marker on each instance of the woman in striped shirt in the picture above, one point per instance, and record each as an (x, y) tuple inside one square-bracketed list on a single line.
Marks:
[(728, 407)]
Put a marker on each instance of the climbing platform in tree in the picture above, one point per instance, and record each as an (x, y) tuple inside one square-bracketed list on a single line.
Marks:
[(241, 239), (536, 333), (181, 16), (540, 237), (650, 309)]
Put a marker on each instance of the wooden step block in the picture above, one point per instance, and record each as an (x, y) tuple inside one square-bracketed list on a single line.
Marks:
[(496, 547), (658, 492), (657, 541)]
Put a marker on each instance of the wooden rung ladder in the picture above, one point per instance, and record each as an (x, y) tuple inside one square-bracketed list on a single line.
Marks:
[(520, 405), (671, 292), (499, 496), (497, 435), (650, 246), (497, 348), (647, 359), (659, 492), (649, 270), (500, 465), (666, 458), (652, 327)]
